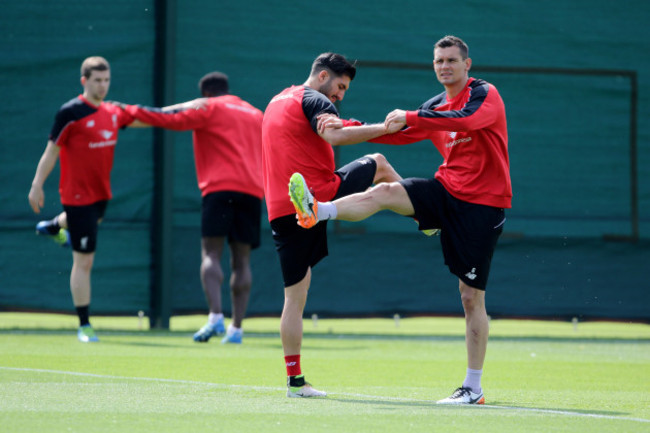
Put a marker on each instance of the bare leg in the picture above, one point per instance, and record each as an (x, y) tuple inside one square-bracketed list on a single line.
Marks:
[(63, 220), (211, 272), (241, 279), (82, 264), (385, 171), (384, 196), (295, 298), (476, 325)]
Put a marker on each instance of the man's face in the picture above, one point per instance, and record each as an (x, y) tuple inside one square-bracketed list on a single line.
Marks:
[(334, 87), (96, 86), (449, 65)]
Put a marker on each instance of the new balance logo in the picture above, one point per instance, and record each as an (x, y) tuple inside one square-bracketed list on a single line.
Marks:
[(84, 243), (471, 274), (291, 364), (90, 124)]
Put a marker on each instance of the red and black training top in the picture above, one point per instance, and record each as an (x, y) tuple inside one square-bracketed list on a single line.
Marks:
[(86, 135), (227, 140), (471, 134), (290, 143)]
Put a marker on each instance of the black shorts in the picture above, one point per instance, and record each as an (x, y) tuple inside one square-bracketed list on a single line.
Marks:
[(233, 214), (469, 231), (83, 222), (300, 249)]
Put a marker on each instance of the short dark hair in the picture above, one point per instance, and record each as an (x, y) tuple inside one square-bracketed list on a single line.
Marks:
[(214, 84), (453, 41), (335, 64), (94, 63)]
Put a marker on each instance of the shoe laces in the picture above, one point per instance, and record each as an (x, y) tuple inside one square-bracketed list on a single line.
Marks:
[(460, 392)]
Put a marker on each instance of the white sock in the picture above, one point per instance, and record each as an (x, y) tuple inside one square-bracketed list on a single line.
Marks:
[(326, 211), (214, 318), (473, 380), (232, 329)]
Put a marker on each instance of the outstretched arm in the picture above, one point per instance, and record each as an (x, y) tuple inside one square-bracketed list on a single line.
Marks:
[(194, 104), (352, 134), (339, 132), (393, 133), (182, 120), (135, 123), (36, 195), (173, 122)]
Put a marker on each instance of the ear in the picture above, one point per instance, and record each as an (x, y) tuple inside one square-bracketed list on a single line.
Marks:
[(468, 64), (83, 81), (323, 76)]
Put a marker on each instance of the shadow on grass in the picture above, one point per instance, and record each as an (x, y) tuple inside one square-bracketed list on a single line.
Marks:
[(498, 405), (333, 336), (492, 406), (392, 403), (144, 344)]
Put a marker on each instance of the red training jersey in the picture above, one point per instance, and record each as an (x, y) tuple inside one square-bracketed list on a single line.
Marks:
[(470, 132), (86, 135), (227, 140), (291, 144)]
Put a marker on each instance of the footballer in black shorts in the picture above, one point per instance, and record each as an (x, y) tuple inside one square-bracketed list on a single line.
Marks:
[(299, 248), (232, 214), (469, 231), (83, 223)]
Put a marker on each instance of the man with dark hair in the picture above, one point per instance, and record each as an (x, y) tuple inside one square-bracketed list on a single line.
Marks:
[(291, 143), (84, 136), (214, 84), (453, 41), (335, 63), (465, 199), (227, 136)]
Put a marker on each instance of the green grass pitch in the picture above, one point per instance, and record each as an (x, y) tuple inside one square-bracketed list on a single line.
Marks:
[(382, 375)]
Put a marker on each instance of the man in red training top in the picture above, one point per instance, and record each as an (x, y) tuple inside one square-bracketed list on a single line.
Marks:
[(465, 199), (291, 143), (227, 137), (83, 137)]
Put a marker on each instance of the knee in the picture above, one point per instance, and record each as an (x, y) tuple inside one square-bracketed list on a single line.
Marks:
[(84, 262), (210, 263), (469, 303), (380, 159), (472, 299), (385, 189), (380, 193), (241, 280), (240, 261)]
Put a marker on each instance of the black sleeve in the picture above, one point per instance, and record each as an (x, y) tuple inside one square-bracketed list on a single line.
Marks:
[(71, 111), (479, 92), (432, 103), (315, 103), (62, 118)]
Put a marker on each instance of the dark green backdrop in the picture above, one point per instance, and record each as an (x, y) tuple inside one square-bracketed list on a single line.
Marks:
[(569, 147)]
